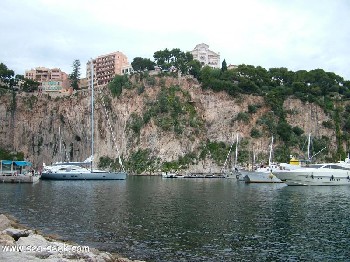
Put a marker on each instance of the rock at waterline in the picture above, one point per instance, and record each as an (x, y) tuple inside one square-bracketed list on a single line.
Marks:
[(20, 244)]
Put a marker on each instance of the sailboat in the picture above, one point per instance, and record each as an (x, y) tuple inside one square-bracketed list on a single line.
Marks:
[(234, 173), (83, 170), (263, 174)]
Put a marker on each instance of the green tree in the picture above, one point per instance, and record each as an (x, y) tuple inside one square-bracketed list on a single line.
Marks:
[(163, 58), (252, 109), (328, 82), (242, 116), (175, 57), (136, 123), (284, 130), (117, 84), (297, 130), (175, 54), (301, 76), (299, 87), (208, 76), (74, 77), (281, 76), (6, 154), (6, 76), (140, 161), (182, 61), (142, 64), (257, 75), (194, 68), (255, 133), (159, 58), (27, 85)]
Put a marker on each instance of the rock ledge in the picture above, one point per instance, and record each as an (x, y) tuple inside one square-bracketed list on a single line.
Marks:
[(18, 243)]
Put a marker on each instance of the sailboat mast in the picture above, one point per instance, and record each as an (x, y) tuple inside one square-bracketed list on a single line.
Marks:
[(228, 155), (60, 137), (92, 111), (254, 158), (270, 157), (236, 156), (308, 147)]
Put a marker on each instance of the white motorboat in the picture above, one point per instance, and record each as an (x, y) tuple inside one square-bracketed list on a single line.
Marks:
[(171, 175), (265, 174), (317, 175)]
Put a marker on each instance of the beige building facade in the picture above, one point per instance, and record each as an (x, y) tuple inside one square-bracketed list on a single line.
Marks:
[(41, 74), (106, 67), (51, 80), (55, 86), (205, 56)]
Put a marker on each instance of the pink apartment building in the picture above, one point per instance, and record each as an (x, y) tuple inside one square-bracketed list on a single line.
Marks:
[(106, 67)]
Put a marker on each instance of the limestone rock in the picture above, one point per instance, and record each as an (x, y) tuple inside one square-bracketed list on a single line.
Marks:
[(20, 257), (34, 247), (6, 240), (4, 222), (33, 240), (17, 233)]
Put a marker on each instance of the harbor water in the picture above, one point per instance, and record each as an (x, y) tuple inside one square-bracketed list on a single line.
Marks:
[(158, 219)]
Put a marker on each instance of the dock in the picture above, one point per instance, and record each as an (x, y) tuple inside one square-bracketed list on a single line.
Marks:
[(192, 175), (19, 179), (205, 175), (13, 171)]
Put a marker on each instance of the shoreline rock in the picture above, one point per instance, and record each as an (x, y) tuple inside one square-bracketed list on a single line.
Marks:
[(18, 243)]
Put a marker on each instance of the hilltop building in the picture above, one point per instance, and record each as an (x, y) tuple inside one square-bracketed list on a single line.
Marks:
[(50, 80), (205, 56), (106, 67), (229, 67)]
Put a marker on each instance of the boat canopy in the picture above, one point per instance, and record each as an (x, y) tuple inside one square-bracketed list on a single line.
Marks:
[(17, 163)]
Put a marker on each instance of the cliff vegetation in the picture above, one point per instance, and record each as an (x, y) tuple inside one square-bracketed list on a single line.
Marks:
[(170, 121)]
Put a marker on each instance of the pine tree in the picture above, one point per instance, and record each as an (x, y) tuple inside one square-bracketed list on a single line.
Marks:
[(224, 66), (74, 77)]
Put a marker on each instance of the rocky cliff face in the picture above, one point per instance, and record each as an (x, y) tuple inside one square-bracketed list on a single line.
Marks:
[(43, 127)]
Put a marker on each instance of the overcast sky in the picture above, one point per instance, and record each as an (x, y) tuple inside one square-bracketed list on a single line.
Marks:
[(296, 34)]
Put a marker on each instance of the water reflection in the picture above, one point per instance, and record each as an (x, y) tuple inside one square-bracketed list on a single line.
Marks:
[(157, 219)]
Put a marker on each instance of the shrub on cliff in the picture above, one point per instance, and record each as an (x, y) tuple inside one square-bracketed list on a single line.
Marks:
[(118, 83)]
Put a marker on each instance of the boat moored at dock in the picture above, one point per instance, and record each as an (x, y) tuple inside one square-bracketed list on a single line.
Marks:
[(192, 175), (260, 177), (84, 170), (77, 171), (317, 175)]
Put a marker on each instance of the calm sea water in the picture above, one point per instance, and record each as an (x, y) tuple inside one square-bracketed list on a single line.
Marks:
[(155, 219)]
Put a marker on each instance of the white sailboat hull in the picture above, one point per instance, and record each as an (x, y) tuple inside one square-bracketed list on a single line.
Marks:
[(260, 177), (98, 175)]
